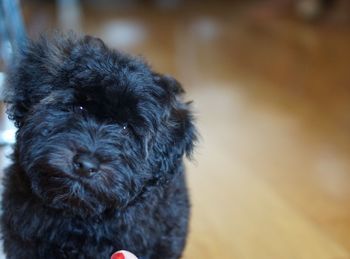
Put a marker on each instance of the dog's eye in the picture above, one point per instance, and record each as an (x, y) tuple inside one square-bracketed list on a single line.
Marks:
[(124, 127), (78, 108)]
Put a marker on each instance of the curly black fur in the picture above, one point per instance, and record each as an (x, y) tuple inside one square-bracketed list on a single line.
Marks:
[(69, 96)]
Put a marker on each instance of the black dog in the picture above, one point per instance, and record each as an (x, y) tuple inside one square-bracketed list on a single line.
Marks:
[(98, 162)]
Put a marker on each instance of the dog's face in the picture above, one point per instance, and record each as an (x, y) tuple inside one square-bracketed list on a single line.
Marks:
[(96, 127)]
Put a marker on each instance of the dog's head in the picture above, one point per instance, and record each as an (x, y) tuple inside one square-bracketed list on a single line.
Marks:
[(95, 126)]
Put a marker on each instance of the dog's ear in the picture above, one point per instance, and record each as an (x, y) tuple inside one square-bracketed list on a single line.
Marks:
[(169, 84), (179, 120), (25, 79), (31, 77)]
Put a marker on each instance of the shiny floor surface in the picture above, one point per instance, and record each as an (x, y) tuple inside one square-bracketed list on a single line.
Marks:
[(271, 175)]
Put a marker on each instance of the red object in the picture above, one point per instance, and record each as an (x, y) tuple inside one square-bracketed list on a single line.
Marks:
[(118, 255)]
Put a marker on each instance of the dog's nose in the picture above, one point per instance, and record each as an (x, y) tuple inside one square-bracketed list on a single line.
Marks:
[(85, 164)]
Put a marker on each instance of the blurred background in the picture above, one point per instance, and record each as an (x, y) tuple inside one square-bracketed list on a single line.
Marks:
[(270, 82)]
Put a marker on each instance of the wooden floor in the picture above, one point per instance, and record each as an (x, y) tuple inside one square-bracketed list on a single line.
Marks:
[(271, 178)]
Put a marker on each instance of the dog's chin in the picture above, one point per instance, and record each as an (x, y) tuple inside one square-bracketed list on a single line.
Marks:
[(76, 206), (72, 196)]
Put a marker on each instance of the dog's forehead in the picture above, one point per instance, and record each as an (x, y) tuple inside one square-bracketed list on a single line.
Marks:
[(108, 83), (100, 96), (105, 68)]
